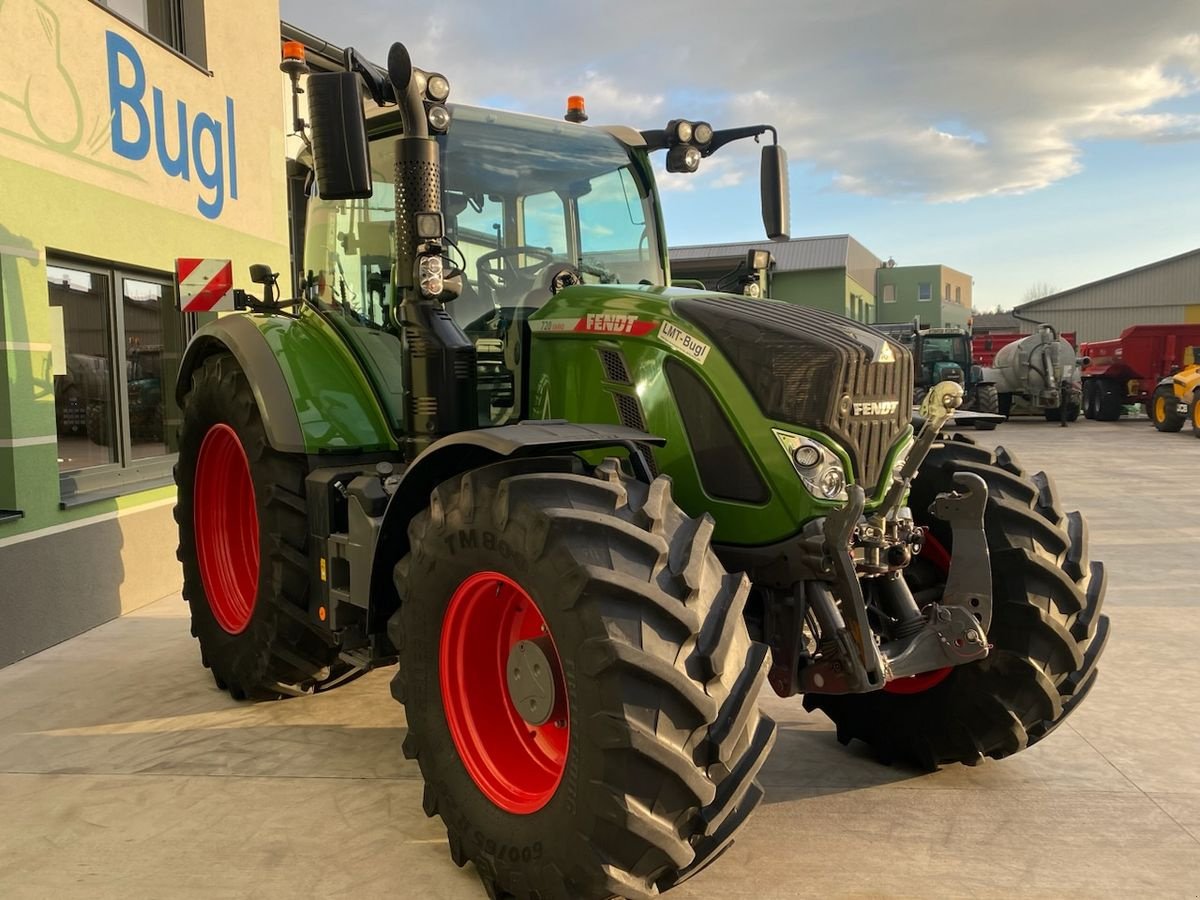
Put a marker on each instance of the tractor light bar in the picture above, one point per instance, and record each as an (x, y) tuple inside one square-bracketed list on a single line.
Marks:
[(818, 467)]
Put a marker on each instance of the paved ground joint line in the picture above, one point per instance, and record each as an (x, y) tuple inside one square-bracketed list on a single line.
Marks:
[(1138, 787)]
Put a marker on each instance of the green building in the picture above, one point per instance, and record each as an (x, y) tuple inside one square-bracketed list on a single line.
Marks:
[(937, 295), (834, 272)]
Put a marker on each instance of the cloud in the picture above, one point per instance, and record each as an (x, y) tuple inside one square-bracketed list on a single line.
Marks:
[(921, 99)]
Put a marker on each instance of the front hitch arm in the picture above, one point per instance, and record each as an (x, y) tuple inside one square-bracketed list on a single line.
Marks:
[(969, 583)]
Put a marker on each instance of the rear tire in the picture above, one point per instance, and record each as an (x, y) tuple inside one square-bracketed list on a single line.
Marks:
[(1089, 399), (1194, 415), (1110, 399), (251, 616), (663, 734), (1163, 409), (987, 400), (1047, 631)]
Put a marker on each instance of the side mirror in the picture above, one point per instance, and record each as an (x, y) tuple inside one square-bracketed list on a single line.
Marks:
[(339, 136), (262, 274), (776, 210)]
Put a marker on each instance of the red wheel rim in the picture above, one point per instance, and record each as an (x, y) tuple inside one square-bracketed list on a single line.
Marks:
[(226, 525), (517, 765), (933, 551)]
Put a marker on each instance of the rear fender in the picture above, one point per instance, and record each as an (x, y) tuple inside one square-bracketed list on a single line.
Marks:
[(468, 450), (311, 392)]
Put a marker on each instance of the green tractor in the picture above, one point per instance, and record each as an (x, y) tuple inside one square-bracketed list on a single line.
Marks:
[(944, 354), (589, 514)]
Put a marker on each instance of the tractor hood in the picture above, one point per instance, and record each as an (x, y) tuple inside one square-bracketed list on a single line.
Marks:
[(802, 367)]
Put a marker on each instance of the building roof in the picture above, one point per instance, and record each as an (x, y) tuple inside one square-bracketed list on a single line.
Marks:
[(835, 251), (995, 322), (1091, 284)]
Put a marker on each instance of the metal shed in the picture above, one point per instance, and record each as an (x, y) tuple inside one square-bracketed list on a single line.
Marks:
[(1161, 292)]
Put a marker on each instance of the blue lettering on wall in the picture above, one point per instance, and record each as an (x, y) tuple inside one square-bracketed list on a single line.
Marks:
[(206, 143)]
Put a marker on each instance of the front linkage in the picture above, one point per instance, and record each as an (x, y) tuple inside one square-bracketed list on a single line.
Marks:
[(821, 646)]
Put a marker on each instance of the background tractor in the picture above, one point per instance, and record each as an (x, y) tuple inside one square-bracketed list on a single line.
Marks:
[(1176, 400), (944, 354), (591, 515)]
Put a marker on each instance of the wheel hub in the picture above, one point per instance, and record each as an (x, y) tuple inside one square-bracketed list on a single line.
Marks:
[(503, 692), (225, 520), (531, 680)]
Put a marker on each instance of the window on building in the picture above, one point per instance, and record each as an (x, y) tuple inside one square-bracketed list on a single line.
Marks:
[(924, 290), (177, 23), (947, 292), (889, 293), (122, 339), (958, 295)]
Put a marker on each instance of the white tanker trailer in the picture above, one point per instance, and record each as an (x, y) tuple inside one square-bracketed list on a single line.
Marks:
[(1039, 373)]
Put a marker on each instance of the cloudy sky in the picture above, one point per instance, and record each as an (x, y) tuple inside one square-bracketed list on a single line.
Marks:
[(1021, 141)]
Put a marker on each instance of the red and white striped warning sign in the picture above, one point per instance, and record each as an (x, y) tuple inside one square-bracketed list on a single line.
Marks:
[(205, 285)]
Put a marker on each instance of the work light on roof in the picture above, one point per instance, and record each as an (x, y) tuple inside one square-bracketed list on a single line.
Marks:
[(437, 87)]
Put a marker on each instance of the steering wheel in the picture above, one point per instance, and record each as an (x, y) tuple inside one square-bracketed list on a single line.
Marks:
[(499, 271)]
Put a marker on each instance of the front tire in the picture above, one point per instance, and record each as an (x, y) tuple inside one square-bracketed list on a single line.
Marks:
[(1164, 411), (645, 767), (1047, 631), (243, 538)]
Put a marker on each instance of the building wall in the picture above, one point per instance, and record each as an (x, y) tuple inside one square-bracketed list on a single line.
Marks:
[(190, 164), (949, 301), (829, 289), (1162, 293)]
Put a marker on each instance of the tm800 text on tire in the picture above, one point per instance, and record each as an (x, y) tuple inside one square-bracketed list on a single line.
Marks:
[(580, 686)]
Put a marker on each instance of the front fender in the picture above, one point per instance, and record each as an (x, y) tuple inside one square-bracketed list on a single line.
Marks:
[(311, 392), (458, 453)]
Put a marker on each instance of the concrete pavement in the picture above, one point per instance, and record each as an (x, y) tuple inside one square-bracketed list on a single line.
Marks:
[(124, 772)]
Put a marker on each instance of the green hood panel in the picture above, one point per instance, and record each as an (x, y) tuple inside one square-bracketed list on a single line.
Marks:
[(597, 348)]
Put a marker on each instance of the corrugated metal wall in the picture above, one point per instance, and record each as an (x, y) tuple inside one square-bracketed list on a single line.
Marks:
[(1158, 294)]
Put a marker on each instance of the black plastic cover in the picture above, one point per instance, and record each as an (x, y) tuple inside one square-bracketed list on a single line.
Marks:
[(726, 470)]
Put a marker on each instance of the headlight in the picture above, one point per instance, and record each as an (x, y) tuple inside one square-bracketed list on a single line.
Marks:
[(752, 289), (429, 275), (683, 132), (702, 133), (439, 118), (438, 88), (818, 467)]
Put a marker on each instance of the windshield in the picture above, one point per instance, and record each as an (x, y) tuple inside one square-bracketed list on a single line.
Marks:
[(519, 194), (951, 348)]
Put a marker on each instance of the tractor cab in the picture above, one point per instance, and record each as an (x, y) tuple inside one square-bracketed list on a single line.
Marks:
[(530, 206), (942, 355)]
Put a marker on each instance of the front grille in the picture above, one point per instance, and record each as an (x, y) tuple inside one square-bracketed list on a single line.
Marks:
[(809, 367)]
